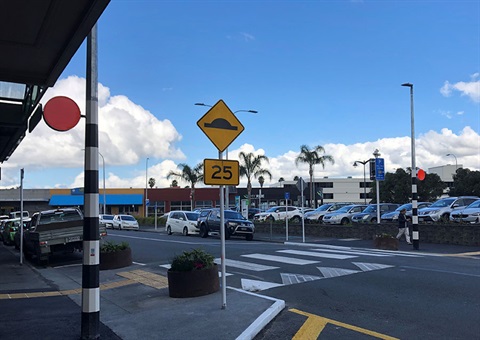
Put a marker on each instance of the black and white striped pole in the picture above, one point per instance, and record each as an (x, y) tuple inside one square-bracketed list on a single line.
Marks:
[(91, 237), (415, 233)]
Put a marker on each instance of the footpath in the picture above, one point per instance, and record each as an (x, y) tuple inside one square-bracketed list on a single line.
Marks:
[(45, 303)]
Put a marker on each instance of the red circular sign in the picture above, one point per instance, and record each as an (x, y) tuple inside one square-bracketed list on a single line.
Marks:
[(421, 174), (61, 113)]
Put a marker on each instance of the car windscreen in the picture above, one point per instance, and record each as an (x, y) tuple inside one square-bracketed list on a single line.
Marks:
[(233, 215), (475, 204), (370, 208), (128, 218), (407, 206), (323, 207), (107, 217), (442, 203), (192, 216), (344, 209)]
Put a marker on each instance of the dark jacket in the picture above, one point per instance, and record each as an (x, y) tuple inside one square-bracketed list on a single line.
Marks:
[(402, 220)]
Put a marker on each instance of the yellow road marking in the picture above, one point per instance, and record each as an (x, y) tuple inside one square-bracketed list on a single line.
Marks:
[(315, 324), (473, 253), (132, 277)]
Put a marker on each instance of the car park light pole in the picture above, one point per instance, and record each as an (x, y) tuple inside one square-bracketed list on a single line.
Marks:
[(364, 179), (227, 194), (415, 234), (456, 163), (146, 187)]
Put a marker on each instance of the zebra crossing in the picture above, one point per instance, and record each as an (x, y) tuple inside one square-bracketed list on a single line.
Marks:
[(308, 256)]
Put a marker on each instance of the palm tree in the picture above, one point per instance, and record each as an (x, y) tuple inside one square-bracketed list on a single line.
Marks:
[(151, 182), (281, 179), (190, 175), (251, 166), (312, 158), (174, 183)]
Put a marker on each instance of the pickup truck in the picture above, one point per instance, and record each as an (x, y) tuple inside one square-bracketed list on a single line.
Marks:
[(51, 231), (235, 224)]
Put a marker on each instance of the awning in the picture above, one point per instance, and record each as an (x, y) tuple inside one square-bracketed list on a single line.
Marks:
[(74, 200)]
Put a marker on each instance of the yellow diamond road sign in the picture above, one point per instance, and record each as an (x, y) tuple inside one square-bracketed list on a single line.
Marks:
[(220, 125)]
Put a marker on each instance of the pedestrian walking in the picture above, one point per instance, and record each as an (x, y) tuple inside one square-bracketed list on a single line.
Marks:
[(403, 226)]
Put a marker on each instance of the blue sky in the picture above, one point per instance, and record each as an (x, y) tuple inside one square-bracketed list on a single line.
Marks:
[(318, 73)]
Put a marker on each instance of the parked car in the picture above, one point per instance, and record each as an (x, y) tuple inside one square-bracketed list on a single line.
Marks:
[(252, 212), (344, 214), (184, 222), (441, 209), (470, 214), (9, 228), (125, 222), (235, 224), (317, 214), (369, 215), (16, 238), (106, 221), (279, 213), (393, 215)]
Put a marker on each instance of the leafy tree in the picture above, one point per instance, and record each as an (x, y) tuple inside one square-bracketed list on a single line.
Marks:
[(397, 187), (295, 178), (251, 166), (312, 158), (191, 175), (466, 182), (151, 182), (281, 179)]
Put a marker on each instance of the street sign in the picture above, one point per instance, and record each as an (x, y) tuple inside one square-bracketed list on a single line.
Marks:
[(301, 184), (220, 172), (220, 125), (379, 169), (147, 202)]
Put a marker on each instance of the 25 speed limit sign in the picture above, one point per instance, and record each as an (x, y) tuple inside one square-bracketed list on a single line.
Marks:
[(220, 172)]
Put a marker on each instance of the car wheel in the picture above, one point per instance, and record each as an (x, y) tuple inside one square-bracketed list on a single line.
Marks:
[(270, 218), (203, 231), (249, 237), (320, 219), (185, 231), (445, 218), (373, 220), (169, 230), (227, 233), (344, 221)]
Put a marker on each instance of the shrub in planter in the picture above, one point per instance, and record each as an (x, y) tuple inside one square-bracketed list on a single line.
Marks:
[(386, 242), (193, 273), (115, 255)]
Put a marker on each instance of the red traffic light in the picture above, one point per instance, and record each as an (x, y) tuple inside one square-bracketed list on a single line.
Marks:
[(421, 174)]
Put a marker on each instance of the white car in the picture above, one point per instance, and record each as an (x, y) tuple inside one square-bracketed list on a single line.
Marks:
[(125, 222), (184, 222), (470, 214), (106, 221), (279, 213), (343, 215), (317, 214)]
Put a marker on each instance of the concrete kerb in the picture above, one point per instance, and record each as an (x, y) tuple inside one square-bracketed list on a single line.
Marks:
[(264, 319)]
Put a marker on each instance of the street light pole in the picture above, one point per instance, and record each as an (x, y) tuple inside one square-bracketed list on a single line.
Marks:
[(146, 187), (104, 191), (415, 233), (456, 163), (364, 179)]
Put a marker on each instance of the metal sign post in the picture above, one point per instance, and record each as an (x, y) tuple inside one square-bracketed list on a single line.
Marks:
[(287, 197)]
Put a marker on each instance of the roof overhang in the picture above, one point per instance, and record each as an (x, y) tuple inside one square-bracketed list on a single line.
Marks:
[(38, 38)]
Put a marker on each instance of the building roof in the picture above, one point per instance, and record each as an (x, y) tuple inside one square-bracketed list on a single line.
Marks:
[(74, 200), (37, 39)]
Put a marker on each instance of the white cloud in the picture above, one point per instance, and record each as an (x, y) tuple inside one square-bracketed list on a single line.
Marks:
[(127, 133), (470, 89)]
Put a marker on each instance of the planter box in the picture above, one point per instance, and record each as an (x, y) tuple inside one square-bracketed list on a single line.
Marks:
[(386, 243), (193, 283), (116, 259)]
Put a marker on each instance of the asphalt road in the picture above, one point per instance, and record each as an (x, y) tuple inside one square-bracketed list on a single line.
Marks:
[(336, 291)]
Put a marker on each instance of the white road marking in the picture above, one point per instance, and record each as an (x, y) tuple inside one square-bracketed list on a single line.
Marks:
[(245, 265), (254, 285), (281, 259), (316, 254), (140, 264), (290, 279), (354, 252), (371, 266), (168, 266), (329, 272)]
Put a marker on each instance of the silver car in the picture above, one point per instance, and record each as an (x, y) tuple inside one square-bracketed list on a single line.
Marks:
[(317, 214), (343, 215), (124, 222), (470, 214), (393, 216), (441, 209)]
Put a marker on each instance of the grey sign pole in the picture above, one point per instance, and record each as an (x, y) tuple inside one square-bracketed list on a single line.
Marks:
[(222, 241)]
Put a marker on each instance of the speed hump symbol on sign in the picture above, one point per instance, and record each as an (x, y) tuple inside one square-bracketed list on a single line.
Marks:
[(220, 125), (220, 172)]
